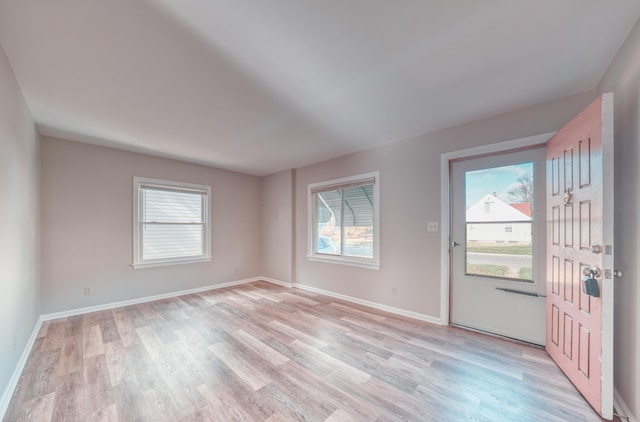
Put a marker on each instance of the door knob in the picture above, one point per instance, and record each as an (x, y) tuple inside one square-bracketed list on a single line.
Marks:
[(617, 273), (454, 244)]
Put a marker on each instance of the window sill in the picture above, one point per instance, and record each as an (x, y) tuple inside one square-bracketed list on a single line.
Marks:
[(141, 265), (372, 265)]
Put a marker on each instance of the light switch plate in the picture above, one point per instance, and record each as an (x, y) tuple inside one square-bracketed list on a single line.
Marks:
[(433, 226)]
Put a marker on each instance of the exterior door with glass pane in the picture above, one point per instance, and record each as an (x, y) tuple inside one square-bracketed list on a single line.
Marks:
[(498, 238)]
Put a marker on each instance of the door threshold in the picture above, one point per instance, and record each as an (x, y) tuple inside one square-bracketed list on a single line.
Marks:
[(489, 333)]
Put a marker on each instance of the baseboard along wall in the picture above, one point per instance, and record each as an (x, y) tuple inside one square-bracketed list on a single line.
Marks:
[(374, 305), (15, 376), (112, 305)]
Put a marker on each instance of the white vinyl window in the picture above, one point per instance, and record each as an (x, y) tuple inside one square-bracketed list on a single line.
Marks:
[(344, 221), (171, 223)]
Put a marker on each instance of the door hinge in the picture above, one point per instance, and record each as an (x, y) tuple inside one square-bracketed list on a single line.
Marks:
[(607, 274), (608, 249)]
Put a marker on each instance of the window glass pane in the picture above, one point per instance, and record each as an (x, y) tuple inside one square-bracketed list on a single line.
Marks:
[(499, 205), (172, 207), (171, 224), (171, 241), (358, 221), (343, 219), (328, 218)]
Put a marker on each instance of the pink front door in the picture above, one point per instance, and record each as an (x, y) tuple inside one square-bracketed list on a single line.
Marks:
[(579, 240)]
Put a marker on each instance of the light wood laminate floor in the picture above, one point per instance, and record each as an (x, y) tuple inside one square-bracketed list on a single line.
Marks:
[(260, 352)]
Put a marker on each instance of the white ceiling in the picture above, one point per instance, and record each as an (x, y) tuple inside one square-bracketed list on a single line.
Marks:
[(260, 86)]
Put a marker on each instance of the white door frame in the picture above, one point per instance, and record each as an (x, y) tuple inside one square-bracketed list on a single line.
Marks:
[(445, 202)]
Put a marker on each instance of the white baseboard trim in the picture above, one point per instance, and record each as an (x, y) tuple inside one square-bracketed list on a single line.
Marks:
[(277, 282), (17, 372), (80, 311), (374, 305), (621, 407)]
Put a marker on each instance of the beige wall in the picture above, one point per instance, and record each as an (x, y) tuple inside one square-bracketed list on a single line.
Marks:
[(87, 226), (623, 78), (19, 220), (409, 197), (276, 210)]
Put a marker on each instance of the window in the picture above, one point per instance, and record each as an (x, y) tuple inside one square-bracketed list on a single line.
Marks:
[(170, 223), (343, 221), (499, 221)]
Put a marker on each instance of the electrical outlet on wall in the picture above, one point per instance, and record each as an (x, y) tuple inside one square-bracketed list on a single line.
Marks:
[(88, 291), (433, 226)]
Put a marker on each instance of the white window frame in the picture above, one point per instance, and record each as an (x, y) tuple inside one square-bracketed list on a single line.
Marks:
[(138, 262), (312, 226)]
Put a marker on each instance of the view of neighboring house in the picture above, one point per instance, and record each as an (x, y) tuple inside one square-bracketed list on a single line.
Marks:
[(491, 220)]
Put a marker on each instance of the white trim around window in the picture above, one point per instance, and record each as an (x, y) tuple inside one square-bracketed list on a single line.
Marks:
[(171, 223), (340, 210)]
